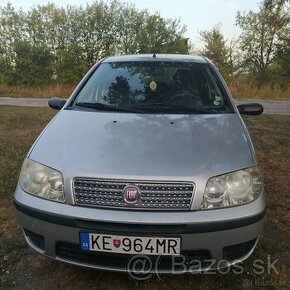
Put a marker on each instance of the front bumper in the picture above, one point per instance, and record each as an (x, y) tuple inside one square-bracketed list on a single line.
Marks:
[(53, 230)]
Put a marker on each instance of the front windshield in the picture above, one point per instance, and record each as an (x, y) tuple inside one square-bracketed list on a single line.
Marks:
[(157, 87)]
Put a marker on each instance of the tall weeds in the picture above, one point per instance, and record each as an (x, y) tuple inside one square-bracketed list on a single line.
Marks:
[(36, 92), (240, 90)]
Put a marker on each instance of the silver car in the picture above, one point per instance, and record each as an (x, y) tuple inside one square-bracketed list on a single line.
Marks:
[(150, 158)]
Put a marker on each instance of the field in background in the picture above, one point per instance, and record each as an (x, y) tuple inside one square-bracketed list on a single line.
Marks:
[(21, 268), (266, 92), (36, 92), (239, 91)]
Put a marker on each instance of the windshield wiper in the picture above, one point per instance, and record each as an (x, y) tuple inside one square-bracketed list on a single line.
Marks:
[(157, 106), (105, 107)]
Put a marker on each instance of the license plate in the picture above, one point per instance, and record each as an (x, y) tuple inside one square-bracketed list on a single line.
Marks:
[(129, 244)]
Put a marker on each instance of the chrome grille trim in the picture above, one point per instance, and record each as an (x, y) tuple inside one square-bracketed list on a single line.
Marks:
[(155, 195)]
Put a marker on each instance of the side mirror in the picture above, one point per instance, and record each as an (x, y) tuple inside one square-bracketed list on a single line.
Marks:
[(56, 103), (250, 109)]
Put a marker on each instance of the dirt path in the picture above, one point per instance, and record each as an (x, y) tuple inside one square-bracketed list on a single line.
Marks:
[(270, 106), (31, 102)]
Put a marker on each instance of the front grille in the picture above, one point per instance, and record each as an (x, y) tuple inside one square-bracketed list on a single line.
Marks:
[(72, 252), (154, 195)]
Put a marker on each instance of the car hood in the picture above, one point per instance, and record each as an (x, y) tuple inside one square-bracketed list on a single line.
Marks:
[(143, 146)]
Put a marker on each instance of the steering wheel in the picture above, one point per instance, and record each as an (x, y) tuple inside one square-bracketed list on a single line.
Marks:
[(184, 99)]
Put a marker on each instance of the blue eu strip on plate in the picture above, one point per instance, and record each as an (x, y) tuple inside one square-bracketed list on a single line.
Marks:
[(85, 242)]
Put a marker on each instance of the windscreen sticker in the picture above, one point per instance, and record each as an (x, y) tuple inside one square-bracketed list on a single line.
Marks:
[(153, 86), (217, 100)]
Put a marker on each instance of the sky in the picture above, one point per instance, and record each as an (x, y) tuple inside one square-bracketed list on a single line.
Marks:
[(195, 14)]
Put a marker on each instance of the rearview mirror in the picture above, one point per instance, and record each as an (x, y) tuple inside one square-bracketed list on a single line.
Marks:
[(250, 109), (56, 103)]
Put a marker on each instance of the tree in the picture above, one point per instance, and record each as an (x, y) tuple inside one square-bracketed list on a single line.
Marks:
[(33, 65), (273, 3), (128, 23), (260, 37), (217, 50), (11, 23), (60, 44), (71, 66), (282, 59), (161, 35)]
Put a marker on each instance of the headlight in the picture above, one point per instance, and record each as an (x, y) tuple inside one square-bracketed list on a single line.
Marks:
[(41, 181), (234, 188)]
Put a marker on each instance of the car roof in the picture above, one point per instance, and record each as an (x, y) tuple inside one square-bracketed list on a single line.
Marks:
[(156, 57)]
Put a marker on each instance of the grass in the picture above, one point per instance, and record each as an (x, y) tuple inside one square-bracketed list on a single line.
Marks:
[(240, 90), (21, 268), (18, 129), (64, 91), (244, 90)]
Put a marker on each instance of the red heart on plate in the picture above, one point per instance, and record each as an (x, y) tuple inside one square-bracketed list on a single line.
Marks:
[(117, 243)]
